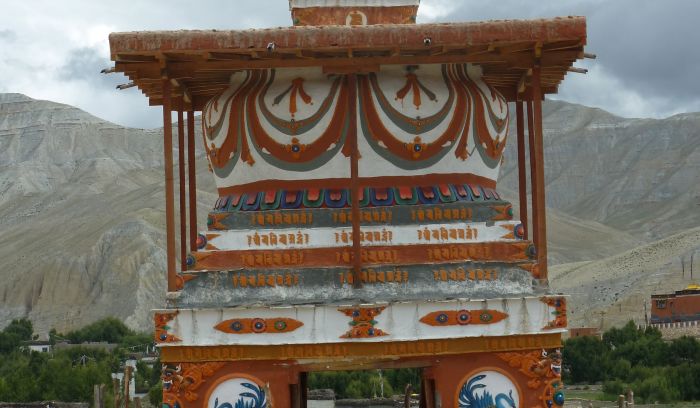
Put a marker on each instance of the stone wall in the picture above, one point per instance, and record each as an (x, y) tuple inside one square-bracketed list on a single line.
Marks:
[(678, 329)]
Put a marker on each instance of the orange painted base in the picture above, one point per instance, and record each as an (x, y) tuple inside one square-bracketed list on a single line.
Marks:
[(530, 377)]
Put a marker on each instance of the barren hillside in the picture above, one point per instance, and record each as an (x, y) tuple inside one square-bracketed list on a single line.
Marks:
[(81, 209)]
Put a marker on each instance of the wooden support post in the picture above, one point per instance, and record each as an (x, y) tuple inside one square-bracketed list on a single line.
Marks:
[(116, 391), (533, 171), (127, 382), (539, 175), (522, 173), (169, 188), (354, 182), (181, 173), (192, 178)]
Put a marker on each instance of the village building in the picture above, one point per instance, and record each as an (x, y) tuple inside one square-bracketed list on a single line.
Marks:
[(358, 225), (680, 306)]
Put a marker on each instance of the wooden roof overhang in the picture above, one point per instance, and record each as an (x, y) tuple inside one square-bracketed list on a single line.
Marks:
[(200, 63)]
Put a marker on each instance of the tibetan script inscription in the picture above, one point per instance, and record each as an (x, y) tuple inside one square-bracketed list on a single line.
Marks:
[(461, 274), (244, 280), (376, 276)]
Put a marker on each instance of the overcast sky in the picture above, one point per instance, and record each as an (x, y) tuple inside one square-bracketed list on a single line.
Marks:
[(648, 59)]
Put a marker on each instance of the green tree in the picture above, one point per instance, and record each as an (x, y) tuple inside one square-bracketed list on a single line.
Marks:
[(110, 329), (585, 359)]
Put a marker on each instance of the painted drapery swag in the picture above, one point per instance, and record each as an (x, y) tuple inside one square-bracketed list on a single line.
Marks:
[(412, 120)]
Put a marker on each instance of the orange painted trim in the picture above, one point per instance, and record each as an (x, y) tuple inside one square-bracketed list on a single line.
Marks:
[(511, 231), (532, 268), (184, 381), (259, 325), (559, 313), (180, 280), (161, 334), (376, 255), (336, 183), (360, 349), (363, 322), (463, 317)]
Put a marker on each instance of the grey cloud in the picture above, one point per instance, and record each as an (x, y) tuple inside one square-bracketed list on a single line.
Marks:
[(85, 64), (647, 46), (650, 46)]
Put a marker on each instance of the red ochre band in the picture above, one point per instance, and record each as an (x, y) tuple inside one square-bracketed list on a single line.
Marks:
[(376, 255)]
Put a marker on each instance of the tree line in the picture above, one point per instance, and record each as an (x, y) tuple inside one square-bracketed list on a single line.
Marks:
[(623, 358), (637, 359), (69, 374)]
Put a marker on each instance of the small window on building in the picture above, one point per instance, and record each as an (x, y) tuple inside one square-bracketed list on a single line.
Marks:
[(661, 303)]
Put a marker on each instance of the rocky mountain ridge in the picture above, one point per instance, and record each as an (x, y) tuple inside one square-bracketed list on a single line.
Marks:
[(82, 214)]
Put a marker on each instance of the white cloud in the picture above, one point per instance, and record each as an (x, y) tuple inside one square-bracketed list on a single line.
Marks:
[(39, 38)]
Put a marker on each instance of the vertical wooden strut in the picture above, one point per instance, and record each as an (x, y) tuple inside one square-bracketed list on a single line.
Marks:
[(522, 175), (539, 176), (354, 182), (181, 171), (169, 188), (192, 178), (533, 171)]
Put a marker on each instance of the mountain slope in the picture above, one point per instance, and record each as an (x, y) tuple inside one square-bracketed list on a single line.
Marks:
[(641, 176), (611, 291), (82, 212)]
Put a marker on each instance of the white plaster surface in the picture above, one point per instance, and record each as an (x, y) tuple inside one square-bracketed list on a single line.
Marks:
[(389, 235), (326, 324)]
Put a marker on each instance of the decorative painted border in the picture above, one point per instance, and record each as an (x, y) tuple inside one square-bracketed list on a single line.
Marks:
[(369, 236), (543, 370), (512, 251), (463, 317), (458, 211), (363, 323), (369, 197), (384, 349), (559, 312), (181, 380), (161, 321), (259, 325)]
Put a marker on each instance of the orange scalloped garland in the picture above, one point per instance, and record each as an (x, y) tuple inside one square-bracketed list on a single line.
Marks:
[(258, 325), (463, 317), (161, 321)]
